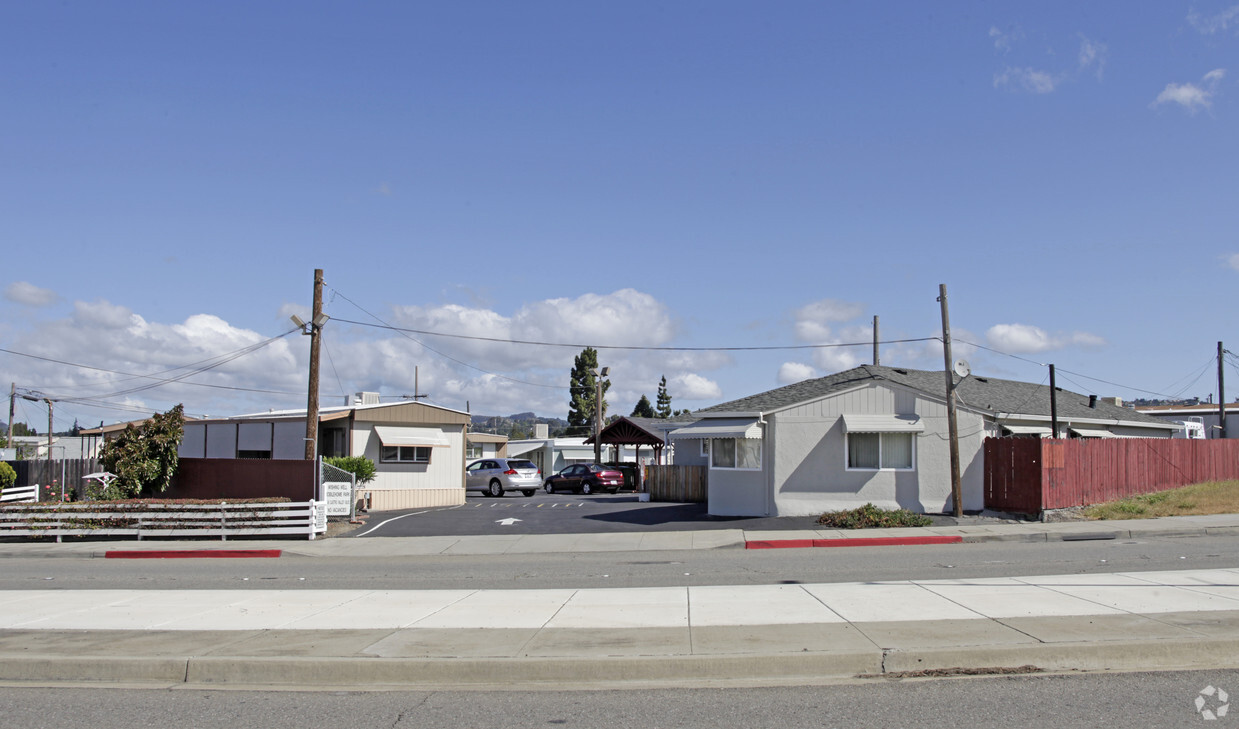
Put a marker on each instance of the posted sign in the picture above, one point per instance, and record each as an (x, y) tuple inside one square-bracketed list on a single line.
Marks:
[(337, 495)]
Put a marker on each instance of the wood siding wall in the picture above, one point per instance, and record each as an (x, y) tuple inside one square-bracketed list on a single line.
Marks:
[(680, 484), (1029, 475)]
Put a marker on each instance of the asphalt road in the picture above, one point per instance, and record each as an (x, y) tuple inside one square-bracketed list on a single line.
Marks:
[(628, 569), (1041, 702), (561, 514)]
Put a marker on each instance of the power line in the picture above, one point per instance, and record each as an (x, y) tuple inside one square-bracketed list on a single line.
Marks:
[(628, 347), (217, 361)]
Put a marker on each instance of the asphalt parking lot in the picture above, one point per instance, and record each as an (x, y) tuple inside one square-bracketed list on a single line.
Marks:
[(560, 514)]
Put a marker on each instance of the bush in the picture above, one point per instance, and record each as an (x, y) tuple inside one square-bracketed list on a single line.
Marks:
[(871, 517), (7, 476), (359, 466)]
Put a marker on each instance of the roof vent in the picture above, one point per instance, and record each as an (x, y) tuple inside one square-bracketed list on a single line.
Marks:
[(1092, 401), (980, 379), (902, 372)]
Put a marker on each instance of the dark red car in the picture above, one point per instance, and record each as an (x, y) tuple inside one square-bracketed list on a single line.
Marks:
[(585, 478)]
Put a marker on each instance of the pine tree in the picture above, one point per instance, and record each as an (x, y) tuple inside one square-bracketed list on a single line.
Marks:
[(583, 384), (643, 409), (664, 399)]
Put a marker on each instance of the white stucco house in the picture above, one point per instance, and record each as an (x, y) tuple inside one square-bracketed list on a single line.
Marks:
[(418, 449), (876, 434)]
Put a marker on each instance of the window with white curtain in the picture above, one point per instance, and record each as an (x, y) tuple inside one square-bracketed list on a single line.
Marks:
[(742, 453), (876, 451)]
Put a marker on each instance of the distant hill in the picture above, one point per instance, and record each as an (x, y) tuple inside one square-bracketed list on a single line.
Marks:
[(517, 426)]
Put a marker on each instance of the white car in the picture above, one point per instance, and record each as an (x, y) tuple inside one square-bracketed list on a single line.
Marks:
[(496, 475)]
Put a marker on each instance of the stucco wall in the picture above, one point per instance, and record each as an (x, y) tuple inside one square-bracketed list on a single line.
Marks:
[(808, 455)]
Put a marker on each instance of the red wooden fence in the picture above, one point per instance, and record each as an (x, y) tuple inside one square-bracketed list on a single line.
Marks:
[(1028, 475)]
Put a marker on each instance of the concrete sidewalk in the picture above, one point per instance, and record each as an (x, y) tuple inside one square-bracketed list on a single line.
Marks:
[(653, 636), (625, 637)]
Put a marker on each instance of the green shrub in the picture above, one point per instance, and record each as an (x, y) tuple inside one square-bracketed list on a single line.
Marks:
[(359, 466), (871, 517), (7, 476)]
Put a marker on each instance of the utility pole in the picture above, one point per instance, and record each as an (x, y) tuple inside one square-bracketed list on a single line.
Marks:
[(1221, 390), (957, 492), (48, 400), (1053, 405), (875, 340), (311, 408), (12, 410), (598, 414)]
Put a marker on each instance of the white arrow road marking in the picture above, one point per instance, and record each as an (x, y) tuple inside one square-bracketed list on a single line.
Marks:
[(507, 522)]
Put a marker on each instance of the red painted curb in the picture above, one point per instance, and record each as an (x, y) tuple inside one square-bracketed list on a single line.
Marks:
[(858, 542), (189, 553)]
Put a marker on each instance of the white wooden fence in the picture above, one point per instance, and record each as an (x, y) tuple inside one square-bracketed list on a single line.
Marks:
[(20, 494), (306, 519)]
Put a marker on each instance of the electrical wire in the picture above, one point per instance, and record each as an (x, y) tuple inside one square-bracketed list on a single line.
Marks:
[(628, 347)]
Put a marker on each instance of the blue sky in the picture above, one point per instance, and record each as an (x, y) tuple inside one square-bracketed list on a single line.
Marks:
[(682, 174)]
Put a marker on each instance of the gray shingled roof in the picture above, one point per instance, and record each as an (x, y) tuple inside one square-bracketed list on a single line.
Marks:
[(979, 393)]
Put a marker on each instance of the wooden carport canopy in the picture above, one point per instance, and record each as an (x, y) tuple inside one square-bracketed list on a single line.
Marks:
[(624, 431)]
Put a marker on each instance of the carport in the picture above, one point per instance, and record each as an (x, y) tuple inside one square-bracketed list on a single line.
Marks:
[(636, 432)]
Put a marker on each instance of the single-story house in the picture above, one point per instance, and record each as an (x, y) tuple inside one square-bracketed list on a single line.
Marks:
[(418, 449), (876, 435), (1206, 413), (485, 445)]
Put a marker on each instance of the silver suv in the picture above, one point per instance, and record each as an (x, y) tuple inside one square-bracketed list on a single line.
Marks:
[(496, 475)]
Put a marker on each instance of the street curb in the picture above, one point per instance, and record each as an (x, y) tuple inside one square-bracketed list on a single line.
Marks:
[(610, 672), (191, 553), (857, 542)]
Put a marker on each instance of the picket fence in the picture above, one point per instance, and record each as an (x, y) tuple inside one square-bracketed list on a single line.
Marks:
[(307, 519)]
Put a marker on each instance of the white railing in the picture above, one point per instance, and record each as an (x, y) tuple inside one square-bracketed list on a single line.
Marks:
[(58, 520), (20, 494)]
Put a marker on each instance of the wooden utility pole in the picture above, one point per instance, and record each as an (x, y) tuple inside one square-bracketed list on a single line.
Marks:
[(1221, 390), (311, 408), (12, 410), (957, 492), (875, 340), (48, 400), (1053, 405)]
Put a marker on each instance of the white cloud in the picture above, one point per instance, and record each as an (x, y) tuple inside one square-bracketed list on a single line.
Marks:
[(28, 294), (1208, 25), (103, 314), (792, 372), (1029, 339), (812, 321), (1190, 96), (1233, 261), (691, 386), (1028, 79), (1092, 55), (1003, 40)]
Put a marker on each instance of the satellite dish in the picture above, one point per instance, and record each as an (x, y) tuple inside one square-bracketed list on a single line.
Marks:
[(961, 368)]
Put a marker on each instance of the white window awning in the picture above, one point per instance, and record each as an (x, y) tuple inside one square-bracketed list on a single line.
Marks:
[(519, 449), (864, 423), (1082, 432), (1042, 430), (746, 428), (391, 435)]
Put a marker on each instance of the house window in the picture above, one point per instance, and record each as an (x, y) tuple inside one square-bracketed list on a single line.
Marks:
[(404, 454), (705, 448), (474, 450), (875, 451), (735, 453)]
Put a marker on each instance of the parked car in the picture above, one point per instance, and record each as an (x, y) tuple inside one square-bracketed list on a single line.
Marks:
[(496, 475), (585, 478)]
